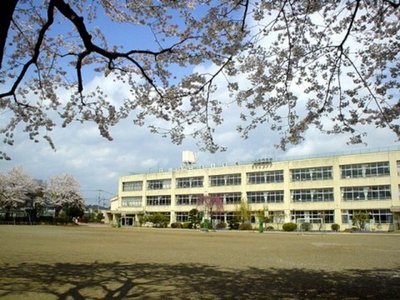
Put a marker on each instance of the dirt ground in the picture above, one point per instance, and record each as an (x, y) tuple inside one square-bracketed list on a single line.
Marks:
[(84, 262)]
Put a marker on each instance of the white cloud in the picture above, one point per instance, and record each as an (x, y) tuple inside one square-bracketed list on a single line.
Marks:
[(97, 163)]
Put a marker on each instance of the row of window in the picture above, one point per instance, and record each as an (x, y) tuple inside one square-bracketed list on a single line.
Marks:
[(276, 216), (363, 193), (376, 216), (303, 174)]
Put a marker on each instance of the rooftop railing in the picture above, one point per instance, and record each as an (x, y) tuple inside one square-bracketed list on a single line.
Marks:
[(271, 159)]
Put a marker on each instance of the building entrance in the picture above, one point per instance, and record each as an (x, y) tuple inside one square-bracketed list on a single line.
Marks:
[(128, 220)]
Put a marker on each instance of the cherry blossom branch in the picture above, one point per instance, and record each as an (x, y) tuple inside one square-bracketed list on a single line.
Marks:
[(36, 52)]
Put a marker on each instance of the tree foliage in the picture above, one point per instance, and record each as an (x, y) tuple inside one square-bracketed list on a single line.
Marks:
[(360, 219), (243, 211), (194, 218), (332, 65), (19, 190), (63, 192), (210, 204), (159, 220)]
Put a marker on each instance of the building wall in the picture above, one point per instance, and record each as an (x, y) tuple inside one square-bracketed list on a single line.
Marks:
[(382, 186)]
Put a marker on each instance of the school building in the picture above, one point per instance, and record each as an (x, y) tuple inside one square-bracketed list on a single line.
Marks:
[(319, 190)]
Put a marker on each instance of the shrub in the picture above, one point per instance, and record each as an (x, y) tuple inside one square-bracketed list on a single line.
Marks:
[(335, 227), (99, 217), (353, 229), (158, 219), (221, 225), (289, 227), (233, 224), (206, 223), (176, 225), (269, 228), (306, 226), (360, 219), (187, 225), (194, 217), (245, 226)]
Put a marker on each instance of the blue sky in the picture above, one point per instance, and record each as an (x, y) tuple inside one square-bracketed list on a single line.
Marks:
[(97, 163)]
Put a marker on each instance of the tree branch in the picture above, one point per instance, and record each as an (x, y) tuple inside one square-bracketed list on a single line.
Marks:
[(6, 13), (351, 25), (246, 7), (394, 4), (36, 52)]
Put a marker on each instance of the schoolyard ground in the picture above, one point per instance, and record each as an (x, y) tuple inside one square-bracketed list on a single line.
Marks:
[(85, 262)]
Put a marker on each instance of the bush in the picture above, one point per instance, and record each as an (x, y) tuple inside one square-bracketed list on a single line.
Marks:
[(335, 227), (194, 218), (360, 219), (245, 226), (187, 225), (159, 220), (269, 228), (306, 226), (233, 225), (206, 223), (99, 217), (221, 225), (353, 229), (289, 227), (176, 225)]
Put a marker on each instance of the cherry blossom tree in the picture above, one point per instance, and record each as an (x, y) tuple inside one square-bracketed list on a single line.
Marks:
[(210, 204), (15, 188), (63, 192), (332, 65), (19, 191)]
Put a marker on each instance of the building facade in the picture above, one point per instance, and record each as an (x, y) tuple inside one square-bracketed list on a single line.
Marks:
[(317, 190)]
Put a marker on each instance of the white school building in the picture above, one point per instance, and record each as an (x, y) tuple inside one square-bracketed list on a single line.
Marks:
[(319, 190)]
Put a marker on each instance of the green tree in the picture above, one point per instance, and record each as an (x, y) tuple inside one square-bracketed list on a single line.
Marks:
[(243, 211), (159, 220), (360, 219), (262, 218), (99, 217), (194, 218)]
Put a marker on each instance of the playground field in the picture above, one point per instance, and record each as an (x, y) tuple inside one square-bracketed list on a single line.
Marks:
[(99, 262)]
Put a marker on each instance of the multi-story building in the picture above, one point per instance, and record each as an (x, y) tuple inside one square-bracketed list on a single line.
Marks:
[(319, 190)]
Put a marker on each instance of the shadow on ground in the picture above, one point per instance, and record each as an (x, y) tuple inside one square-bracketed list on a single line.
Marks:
[(182, 281)]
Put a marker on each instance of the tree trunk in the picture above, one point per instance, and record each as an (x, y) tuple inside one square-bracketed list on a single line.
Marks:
[(7, 8)]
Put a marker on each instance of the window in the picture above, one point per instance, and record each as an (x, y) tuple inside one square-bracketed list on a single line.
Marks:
[(220, 217), (308, 174), (159, 184), (313, 216), (230, 179), (365, 170), (131, 201), (378, 216), (187, 199), (312, 195), (265, 197), (265, 177), (230, 198), (365, 193), (182, 216), (277, 216), (189, 182), (158, 200), (132, 186)]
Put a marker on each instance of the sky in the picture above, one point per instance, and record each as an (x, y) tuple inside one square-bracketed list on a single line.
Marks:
[(98, 163)]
